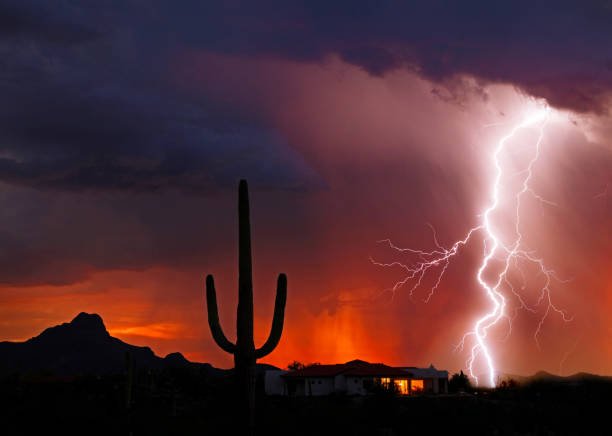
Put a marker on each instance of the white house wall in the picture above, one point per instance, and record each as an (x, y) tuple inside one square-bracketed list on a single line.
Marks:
[(443, 385), (340, 383), (354, 386), (428, 385), (316, 386)]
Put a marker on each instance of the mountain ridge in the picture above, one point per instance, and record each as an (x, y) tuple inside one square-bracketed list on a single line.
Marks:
[(547, 377), (84, 346)]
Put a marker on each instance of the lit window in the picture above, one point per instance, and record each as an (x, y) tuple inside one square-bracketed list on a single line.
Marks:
[(385, 381), (401, 386), (416, 386)]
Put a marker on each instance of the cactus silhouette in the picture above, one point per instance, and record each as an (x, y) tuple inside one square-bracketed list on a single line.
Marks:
[(244, 351)]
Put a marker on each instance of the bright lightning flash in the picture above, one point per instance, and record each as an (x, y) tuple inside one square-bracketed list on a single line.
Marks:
[(511, 254)]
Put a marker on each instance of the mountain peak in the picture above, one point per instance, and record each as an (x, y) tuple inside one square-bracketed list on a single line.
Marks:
[(176, 359), (84, 346), (88, 321)]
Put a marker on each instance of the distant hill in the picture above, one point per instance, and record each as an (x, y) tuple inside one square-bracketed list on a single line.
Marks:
[(543, 376), (84, 346)]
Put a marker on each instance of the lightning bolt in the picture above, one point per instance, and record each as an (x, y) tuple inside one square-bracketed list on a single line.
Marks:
[(511, 254)]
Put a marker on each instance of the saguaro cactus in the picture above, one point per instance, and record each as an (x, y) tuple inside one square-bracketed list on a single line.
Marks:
[(244, 351)]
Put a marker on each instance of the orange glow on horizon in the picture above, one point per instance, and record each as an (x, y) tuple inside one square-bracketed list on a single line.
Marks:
[(160, 330)]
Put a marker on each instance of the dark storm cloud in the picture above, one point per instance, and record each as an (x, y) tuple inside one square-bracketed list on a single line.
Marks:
[(559, 50), (90, 103), (87, 103), (35, 22), (89, 100)]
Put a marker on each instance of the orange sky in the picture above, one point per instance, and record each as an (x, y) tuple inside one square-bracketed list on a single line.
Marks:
[(391, 156)]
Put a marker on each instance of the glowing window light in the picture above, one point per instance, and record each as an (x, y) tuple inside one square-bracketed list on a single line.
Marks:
[(416, 386), (402, 386)]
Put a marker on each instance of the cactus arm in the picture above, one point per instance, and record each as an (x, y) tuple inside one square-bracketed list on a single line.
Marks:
[(213, 317), (278, 320)]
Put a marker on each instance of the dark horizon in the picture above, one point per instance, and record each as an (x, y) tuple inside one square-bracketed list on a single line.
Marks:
[(92, 324)]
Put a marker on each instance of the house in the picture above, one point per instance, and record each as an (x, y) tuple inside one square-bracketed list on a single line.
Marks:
[(355, 378)]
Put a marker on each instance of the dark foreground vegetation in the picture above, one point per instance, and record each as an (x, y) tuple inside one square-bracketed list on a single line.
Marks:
[(184, 402)]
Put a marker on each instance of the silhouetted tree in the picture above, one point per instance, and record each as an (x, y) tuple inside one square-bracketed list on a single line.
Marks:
[(459, 382), (296, 366), (508, 384), (244, 351)]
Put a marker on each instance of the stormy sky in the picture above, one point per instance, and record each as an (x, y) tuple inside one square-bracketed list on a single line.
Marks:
[(126, 125)]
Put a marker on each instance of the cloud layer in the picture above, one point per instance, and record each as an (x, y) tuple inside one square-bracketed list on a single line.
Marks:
[(87, 105)]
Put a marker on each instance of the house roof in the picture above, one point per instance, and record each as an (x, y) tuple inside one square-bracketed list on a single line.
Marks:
[(426, 372), (354, 367)]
